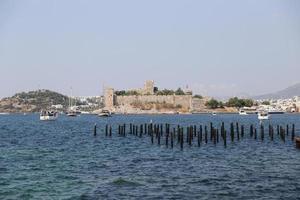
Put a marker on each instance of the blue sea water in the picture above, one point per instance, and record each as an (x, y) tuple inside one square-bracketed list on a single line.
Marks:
[(63, 160)]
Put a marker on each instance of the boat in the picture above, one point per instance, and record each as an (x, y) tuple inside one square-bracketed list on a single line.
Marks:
[(4, 113), (48, 115), (214, 113), (297, 141), (243, 112), (71, 111), (263, 116), (273, 111), (105, 113)]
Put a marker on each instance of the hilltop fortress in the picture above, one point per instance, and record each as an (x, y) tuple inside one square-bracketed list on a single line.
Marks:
[(151, 100)]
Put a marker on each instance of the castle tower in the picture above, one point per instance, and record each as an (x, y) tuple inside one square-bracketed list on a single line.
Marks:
[(149, 87), (109, 98)]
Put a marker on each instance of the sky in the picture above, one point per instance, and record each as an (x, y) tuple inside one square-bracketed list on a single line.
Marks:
[(215, 47)]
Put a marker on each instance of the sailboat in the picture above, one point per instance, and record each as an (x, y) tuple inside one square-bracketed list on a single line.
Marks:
[(71, 112)]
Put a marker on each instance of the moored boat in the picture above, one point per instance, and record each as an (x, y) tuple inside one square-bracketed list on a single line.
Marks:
[(72, 113), (243, 112), (297, 140), (48, 115), (263, 116), (105, 113)]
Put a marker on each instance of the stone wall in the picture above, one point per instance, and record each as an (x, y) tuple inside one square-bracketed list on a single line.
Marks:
[(183, 100)]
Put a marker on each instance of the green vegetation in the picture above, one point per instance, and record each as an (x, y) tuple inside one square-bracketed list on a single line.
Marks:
[(42, 98), (165, 92), (126, 93), (198, 96), (238, 103), (266, 103), (213, 104), (179, 91)]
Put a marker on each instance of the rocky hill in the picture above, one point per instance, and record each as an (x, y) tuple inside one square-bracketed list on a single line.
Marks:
[(289, 92), (32, 101)]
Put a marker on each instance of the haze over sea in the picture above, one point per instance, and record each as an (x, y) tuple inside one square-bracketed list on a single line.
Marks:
[(63, 160)]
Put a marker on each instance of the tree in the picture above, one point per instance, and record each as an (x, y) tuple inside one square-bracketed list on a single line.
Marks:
[(236, 102), (120, 93), (212, 104), (155, 90), (266, 103), (179, 91), (198, 96)]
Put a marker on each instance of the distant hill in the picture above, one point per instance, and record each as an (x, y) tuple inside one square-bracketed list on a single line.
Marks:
[(289, 92), (32, 101)]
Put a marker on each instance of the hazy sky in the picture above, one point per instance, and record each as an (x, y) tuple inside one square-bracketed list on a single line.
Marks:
[(217, 47)]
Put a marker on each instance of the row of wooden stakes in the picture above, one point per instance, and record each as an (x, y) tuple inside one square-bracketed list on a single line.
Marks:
[(200, 133)]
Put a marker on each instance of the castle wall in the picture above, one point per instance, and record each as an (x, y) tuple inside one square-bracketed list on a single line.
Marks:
[(184, 100)]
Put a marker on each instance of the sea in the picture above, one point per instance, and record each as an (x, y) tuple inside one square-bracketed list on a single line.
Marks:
[(63, 159)]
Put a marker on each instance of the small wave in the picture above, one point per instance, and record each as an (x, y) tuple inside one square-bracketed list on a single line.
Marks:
[(123, 182)]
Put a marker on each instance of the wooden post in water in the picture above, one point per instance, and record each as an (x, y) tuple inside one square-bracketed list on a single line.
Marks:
[(242, 131), (95, 129), (151, 133), (225, 138), (110, 131), (158, 138), (232, 132), (106, 129), (200, 133), (237, 131), (178, 134), (205, 134), (187, 135), (172, 139), (181, 139), (214, 133), (198, 139), (251, 130), (167, 139), (293, 132), (262, 132), (211, 131), (255, 133), (287, 130)]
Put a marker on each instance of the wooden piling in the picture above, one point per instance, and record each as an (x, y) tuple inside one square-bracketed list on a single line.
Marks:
[(181, 140), (262, 132), (205, 134), (106, 130), (172, 139), (95, 129), (293, 132)]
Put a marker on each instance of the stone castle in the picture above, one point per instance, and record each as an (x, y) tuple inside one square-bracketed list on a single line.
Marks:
[(146, 99)]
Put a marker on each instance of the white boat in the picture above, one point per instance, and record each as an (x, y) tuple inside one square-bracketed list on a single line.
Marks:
[(214, 113), (71, 111), (242, 112), (48, 115), (105, 113), (4, 113), (263, 116)]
